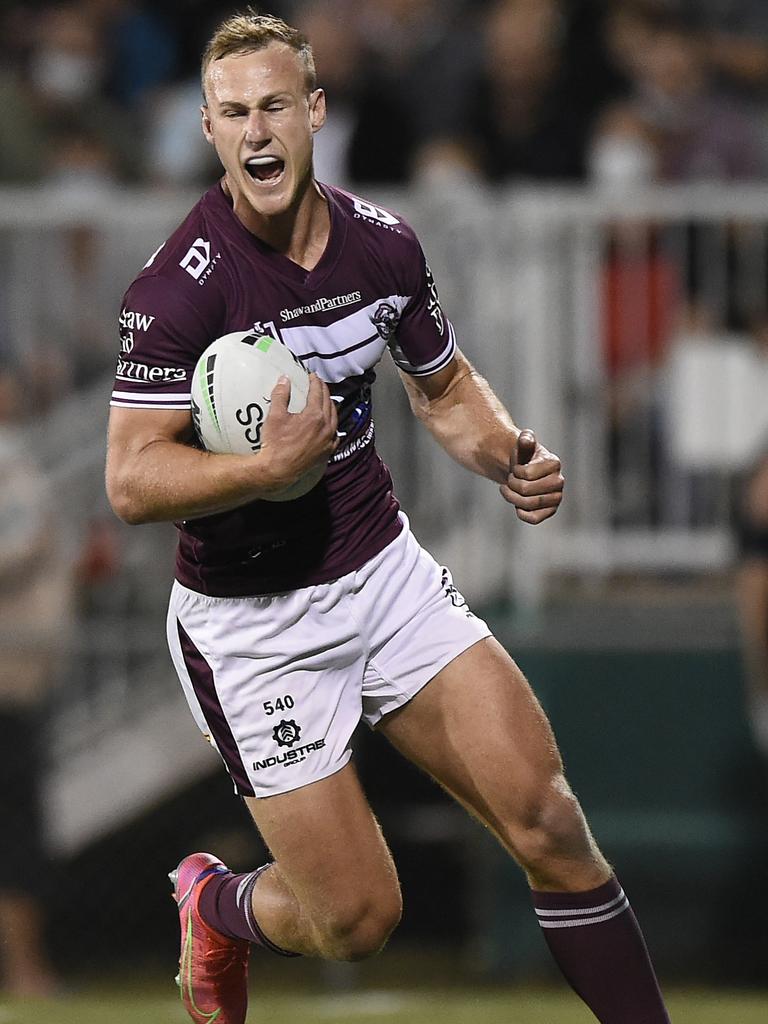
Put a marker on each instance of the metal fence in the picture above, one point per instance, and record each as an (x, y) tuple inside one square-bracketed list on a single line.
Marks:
[(628, 331)]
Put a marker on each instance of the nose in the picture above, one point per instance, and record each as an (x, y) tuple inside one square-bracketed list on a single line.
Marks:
[(256, 128)]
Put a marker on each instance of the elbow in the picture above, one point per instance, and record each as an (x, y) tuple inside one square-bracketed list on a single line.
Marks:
[(130, 515), (127, 511), (124, 503)]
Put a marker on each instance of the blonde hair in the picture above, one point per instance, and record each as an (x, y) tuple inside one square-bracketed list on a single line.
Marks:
[(249, 31)]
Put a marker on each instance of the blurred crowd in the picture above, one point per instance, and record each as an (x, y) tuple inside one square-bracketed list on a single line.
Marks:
[(100, 92)]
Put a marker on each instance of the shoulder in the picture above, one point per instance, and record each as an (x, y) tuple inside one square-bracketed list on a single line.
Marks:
[(182, 271), (378, 227)]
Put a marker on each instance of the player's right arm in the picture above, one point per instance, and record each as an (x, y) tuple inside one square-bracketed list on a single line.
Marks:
[(154, 474)]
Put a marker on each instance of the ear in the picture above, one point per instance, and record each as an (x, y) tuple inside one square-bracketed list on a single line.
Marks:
[(206, 123), (317, 110)]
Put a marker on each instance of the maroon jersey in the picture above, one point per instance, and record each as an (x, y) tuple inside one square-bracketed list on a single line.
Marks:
[(372, 291)]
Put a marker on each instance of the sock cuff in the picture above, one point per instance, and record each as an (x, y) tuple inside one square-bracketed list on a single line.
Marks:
[(573, 909), (244, 893)]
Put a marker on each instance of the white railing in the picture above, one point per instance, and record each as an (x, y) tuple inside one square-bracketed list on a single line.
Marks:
[(526, 277)]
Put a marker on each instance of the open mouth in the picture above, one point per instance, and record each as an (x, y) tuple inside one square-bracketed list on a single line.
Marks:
[(268, 169)]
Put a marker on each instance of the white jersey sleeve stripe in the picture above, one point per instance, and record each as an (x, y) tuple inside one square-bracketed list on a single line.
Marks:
[(140, 405), (170, 396)]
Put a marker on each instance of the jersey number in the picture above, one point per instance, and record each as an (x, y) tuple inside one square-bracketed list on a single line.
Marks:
[(281, 704)]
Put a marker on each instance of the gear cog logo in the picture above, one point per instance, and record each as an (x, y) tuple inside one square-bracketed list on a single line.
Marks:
[(286, 733)]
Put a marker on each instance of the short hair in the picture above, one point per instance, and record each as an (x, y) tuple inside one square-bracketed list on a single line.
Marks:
[(248, 31)]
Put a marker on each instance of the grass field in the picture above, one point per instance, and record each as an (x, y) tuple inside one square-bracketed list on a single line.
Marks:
[(455, 1006)]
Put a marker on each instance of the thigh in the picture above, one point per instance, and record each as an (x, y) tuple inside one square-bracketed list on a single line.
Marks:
[(479, 730), (327, 843)]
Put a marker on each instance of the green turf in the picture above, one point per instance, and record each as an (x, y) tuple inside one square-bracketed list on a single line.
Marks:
[(384, 1006)]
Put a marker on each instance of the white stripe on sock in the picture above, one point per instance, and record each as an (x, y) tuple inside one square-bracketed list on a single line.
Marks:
[(242, 887), (586, 920), (582, 910)]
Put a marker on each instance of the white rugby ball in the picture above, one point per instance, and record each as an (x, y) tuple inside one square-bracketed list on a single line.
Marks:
[(231, 389)]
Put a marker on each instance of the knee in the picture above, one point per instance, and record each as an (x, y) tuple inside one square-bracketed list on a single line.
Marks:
[(360, 927), (550, 827)]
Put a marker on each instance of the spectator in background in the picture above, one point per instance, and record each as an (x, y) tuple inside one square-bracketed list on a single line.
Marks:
[(735, 36), (527, 126), (140, 48), (338, 48), (35, 608), (700, 133), (623, 150), (176, 153), (415, 60), (733, 33), (58, 78), (531, 97)]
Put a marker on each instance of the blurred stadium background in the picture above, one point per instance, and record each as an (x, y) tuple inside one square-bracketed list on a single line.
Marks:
[(589, 181)]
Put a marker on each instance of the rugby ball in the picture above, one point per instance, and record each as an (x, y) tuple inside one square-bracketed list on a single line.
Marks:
[(231, 389)]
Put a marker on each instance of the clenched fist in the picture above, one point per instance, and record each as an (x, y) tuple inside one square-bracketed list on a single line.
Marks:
[(535, 483)]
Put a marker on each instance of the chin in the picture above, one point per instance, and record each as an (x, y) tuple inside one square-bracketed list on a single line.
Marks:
[(270, 202)]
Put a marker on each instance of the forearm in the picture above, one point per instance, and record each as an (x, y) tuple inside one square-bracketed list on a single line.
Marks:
[(167, 481), (470, 423)]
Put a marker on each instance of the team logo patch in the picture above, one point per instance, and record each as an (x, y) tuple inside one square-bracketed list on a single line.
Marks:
[(286, 733), (452, 593), (385, 320)]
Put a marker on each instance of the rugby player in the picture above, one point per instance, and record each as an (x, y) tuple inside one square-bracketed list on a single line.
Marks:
[(291, 621)]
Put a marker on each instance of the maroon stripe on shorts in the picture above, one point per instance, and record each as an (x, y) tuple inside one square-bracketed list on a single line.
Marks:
[(201, 674)]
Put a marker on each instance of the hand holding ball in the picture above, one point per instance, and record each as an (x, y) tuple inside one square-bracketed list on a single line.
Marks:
[(231, 388)]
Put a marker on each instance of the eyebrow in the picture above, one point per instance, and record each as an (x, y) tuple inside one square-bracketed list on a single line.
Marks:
[(264, 101)]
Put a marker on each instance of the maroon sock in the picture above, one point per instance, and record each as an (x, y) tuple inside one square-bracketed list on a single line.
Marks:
[(597, 944), (225, 905)]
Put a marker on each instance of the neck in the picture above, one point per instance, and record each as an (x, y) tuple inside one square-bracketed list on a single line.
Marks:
[(299, 233)]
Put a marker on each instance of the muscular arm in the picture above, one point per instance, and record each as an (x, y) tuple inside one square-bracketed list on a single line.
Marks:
[(155, 475), (460, 410)]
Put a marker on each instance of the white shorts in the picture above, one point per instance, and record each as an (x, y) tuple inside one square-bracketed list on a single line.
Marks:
[(278, 684)]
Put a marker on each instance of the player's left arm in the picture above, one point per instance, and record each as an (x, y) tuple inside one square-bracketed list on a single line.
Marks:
[(461, 411)]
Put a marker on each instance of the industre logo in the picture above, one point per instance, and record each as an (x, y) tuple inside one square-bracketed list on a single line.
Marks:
[(290, 757), (286, 733)]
